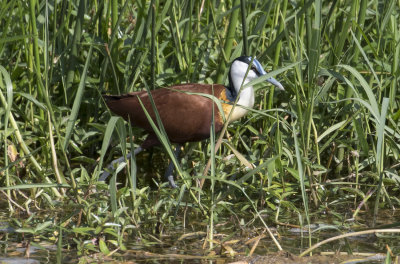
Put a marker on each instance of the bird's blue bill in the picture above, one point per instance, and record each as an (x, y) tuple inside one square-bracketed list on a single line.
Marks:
[(261, 70)]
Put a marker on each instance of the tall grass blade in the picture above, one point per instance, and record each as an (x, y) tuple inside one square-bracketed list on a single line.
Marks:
[(77, 102), (314, 52), (244, 27), (302, 180), (133, 172), (18, 134), (212, 157), (106, 139), (371, 97), (366, 59), (380, 153), (76, 38), (281, 14), (59, 245), (6, 80), (230, 37)]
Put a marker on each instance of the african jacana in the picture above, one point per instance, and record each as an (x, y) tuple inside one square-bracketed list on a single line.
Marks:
[(187, 117)]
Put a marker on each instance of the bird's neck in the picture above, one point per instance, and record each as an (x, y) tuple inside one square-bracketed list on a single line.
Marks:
[(246, 95)]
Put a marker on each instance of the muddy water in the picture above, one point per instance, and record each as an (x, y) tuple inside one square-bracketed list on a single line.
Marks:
[(232, 242)]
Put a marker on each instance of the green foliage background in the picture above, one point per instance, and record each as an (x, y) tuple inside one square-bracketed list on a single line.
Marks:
[(331, 140)]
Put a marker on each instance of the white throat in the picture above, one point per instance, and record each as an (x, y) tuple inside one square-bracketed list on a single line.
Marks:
[(246, 96)]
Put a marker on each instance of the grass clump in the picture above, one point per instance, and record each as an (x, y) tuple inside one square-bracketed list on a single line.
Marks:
[(331, 141)]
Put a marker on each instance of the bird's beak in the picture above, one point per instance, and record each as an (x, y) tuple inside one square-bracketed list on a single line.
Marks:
[(276, 83), (261, 71)]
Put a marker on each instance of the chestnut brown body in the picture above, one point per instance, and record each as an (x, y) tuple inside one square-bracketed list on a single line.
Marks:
[(185, 117)]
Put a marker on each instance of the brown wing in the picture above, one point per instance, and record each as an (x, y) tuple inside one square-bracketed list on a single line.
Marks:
[(185, 117)]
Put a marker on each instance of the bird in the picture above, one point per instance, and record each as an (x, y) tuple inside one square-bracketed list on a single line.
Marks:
[(185, 112)]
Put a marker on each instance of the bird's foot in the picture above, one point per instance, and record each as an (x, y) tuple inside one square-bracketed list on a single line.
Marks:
[(171, 181), (110, 167)]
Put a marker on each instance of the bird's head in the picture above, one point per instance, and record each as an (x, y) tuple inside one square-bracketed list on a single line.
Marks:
[(239, 68)]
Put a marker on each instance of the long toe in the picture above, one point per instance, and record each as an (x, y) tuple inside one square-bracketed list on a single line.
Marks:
[(171, 181)]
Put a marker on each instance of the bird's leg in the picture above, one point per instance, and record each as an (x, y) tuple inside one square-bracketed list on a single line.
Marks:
[(110, 166), (168, 173)]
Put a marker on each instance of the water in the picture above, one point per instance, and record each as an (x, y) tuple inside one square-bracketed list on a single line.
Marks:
[(232, 241)]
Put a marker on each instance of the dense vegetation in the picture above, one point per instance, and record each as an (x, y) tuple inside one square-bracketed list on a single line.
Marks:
[(331, 141)]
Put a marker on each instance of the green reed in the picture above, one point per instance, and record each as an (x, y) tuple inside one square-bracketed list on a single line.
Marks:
[(338, 118)]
